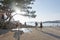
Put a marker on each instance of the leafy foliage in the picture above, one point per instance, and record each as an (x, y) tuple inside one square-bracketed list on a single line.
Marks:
[(7, 7)]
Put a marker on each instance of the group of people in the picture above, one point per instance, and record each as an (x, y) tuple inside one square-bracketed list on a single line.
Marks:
[(41, 26), (36, 24)]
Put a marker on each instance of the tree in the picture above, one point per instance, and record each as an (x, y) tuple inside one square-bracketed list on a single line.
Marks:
[(9, 6)]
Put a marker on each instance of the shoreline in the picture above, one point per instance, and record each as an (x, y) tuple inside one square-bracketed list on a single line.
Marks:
[(36, 34)]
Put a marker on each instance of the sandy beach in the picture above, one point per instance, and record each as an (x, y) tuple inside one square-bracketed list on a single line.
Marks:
[(36, 34)]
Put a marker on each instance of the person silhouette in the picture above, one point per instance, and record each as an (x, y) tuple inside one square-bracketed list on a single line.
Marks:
[(41, 26), (25, 24), (36, 24)]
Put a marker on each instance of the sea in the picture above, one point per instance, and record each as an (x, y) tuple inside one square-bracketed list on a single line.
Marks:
[(45, 24)]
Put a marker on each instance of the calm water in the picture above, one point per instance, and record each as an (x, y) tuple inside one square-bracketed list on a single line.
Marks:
[(45, 24)]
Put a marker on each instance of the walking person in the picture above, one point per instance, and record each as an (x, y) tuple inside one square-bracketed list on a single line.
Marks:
[(41, 26), (36, 24)]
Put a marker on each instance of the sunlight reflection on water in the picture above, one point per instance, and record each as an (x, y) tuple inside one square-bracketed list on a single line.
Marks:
[(25, 30)]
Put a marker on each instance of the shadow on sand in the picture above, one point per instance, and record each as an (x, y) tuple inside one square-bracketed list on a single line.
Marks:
[(4, 31), (51, 34), (17, 34)]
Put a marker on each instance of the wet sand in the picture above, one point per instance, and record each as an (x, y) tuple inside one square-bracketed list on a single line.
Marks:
[(36, 34)]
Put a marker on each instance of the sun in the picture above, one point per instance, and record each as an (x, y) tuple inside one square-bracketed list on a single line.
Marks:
[(20, 18)]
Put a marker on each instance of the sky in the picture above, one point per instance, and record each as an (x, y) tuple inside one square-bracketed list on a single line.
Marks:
[(46, 10)]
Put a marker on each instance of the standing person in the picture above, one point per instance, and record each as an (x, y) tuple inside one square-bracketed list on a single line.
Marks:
[(25, 23), (16, 24), (41, 26), (36, 24)]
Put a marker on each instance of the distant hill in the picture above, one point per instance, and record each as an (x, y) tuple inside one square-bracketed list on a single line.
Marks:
[(56, 21)]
